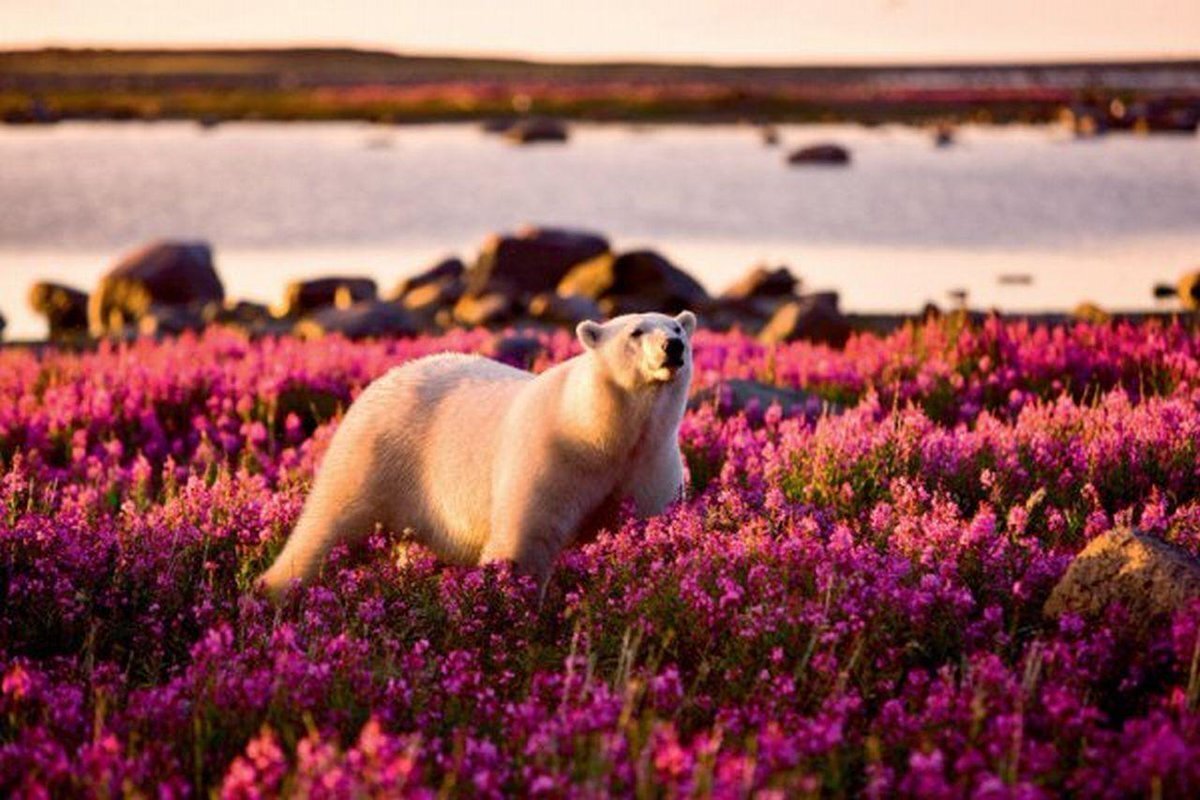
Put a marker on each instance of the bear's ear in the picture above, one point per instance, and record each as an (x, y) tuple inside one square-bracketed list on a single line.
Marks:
[(688, 320), (589, 334)]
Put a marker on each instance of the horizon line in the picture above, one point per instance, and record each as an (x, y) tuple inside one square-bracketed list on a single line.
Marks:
[(686, 60)]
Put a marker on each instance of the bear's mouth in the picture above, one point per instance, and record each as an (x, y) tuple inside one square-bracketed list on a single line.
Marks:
[(668, 370)]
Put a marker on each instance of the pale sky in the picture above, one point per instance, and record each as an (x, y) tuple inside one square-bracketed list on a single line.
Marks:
[(748, 31)]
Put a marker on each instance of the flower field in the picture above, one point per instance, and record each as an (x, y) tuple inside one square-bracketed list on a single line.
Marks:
[(849, 603)]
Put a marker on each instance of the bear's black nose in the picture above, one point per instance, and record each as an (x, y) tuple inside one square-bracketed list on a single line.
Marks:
[(674, 348)]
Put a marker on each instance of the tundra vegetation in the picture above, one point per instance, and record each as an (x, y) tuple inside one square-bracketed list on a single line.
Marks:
[(850, 602)]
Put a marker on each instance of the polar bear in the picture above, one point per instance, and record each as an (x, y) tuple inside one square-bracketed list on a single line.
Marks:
[(483, 462)]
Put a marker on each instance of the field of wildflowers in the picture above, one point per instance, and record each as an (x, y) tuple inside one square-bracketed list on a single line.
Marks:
[(849, 604)]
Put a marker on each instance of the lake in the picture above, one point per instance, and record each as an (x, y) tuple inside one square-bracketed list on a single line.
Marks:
[(906, 222)]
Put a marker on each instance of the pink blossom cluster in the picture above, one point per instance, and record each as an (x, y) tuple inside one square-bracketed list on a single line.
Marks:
[(849, 603)]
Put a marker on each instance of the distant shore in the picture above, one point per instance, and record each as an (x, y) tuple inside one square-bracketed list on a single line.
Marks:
[(213, 86)]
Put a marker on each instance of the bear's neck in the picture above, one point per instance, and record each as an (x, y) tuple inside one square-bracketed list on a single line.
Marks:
[(606, 418)]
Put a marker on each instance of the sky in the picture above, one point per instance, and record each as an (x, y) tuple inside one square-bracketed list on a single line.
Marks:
[(725, 31)]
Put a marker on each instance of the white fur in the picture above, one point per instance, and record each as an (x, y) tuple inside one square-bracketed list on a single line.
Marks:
[(484, 462)]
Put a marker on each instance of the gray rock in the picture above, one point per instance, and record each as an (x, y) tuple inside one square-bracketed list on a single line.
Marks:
[(533, 260), (446, 271), (161, 320), (517, 350), (490, 310), (430, 297), (253, 319), (637, 281), (1149, 577), (307, 296), (65, 309), (159, 274), (747, 316), (733, 396), (365, 320), (536, 129), (831, 154), (749, 303), (814, 317), (761, 281), (241, 312)]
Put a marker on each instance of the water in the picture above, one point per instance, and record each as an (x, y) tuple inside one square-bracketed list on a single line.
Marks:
[(1100, 220)]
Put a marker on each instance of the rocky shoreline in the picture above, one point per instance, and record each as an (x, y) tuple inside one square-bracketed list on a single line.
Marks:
[(533, 278)]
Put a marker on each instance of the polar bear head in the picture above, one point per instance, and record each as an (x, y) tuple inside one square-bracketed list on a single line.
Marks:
[(639, 350)]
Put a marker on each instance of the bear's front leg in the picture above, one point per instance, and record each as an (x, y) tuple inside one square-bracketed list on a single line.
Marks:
[(536, 513), (531, 540), (657, 482)]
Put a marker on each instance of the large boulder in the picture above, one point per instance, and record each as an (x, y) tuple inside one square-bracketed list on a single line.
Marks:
[(533, 260), (829, 154), (761, 281), (632, 282), (159, 274), (749, 303), (366, 320), (814, 317), (448, 270), (434, 290), (65, 309), (1149, 577), (305, 297)]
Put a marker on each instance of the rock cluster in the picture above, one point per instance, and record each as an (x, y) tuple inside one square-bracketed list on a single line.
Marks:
[(542, 277)]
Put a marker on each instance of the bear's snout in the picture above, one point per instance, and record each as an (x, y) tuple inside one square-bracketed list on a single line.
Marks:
[(674, 350)]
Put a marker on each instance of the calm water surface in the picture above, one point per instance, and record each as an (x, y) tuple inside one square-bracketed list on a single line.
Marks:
[(1100, 220)]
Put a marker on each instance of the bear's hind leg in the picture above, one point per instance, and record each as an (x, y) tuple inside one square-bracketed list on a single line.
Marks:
[(314, 536)]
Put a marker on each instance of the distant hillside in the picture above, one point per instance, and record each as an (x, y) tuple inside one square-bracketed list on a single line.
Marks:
[(320, 83)]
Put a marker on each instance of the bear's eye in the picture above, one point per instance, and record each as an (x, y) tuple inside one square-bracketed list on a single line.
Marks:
[(636, 333)]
